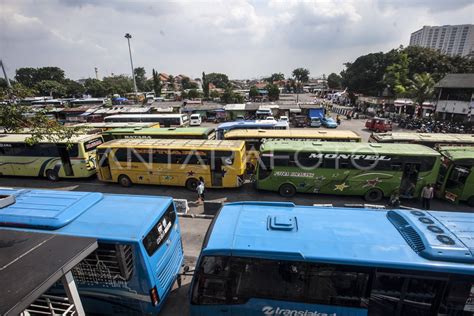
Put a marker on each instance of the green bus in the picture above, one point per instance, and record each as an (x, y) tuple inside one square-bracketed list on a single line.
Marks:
[(150, 132), (74, 158), (456, 176), (370, 170)]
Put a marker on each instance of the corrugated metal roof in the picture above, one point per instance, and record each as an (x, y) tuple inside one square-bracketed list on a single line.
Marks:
[(457, 81)]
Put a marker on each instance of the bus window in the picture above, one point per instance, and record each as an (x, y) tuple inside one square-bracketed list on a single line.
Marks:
[(158, 234), (458, 177)]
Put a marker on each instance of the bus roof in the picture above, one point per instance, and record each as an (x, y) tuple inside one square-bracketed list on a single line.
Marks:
[(344, 236), (20, 138), (250, 124), (114, 124), (457, 152), (356, 148), (423, 137), (291, 133), (144, 115), (83, 213), (175, 144), (182, 131)]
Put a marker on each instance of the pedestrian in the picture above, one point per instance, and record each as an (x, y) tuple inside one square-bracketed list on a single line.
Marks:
[(395, 199), (427, 195), (200, 190), (338, 120)]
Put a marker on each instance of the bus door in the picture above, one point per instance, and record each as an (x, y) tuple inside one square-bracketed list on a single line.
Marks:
[(399, 294), (217, 172), (409, 179), (65, 159), (103, 164), (456, 182)]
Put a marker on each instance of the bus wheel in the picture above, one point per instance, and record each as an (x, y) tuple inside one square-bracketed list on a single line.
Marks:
[(52, 175), (373, 195), (191, 184), (287, 190), (124, 181), (470, 201)]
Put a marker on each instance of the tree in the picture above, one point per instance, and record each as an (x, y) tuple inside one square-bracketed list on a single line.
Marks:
[(50, 73), (301, 74), (205, 85), (275, 77), (187, 84), (421, 88), (140, 78), (73, 88), (156, 83), (219, 80), (214, 94), (194, 94), (334, 81), (51, 88), (26, 76), (118, 84), (229, 96), (273, 92), (396, 76), (95, 88), (253, 93), (14, 118), (18, 90)]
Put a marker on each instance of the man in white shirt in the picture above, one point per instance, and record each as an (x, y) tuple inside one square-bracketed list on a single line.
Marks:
[(427, 195)]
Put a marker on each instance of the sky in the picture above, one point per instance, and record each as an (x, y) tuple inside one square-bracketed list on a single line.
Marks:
[(244, 39)]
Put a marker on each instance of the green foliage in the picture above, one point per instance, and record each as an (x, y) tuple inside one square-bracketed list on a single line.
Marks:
[(218, 79), (230, 97), (140, 79), (194, 94), (334, 81), (275, 77), (187, 84), (301, 74), (370, 74), (73, 88), (421, 88), (51, 87), (205, 85), (396, 75), (15, 117), (26, 76), (214, 94), (30, 77), (253, 92), (18, 90), (95, 88), (273, 92), (118, 84), (156, 83)]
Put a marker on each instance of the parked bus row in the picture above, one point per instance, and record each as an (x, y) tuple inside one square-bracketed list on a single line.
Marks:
[(258, 258), (280, 164)]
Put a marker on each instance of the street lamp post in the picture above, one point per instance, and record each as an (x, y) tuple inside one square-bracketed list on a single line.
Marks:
[(128, 37)]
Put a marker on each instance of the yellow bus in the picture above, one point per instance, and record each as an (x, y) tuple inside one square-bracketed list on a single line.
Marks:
[(67, 159), (176, 162), (254, 138)]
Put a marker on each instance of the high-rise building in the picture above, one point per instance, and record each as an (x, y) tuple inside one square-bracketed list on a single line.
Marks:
[(451, 40)]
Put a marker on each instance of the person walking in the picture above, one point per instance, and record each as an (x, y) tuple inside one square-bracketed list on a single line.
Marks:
[(200, 190), (427, 195)]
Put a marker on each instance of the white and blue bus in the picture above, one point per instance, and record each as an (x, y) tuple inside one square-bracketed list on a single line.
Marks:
[(258, 124), (139, 252), (280, 259)]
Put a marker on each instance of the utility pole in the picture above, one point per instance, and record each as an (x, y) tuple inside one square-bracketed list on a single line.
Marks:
[(128, 37), (96, 73), (5, 75)]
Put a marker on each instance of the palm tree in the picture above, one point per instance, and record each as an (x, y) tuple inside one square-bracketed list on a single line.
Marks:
[(421, 88)]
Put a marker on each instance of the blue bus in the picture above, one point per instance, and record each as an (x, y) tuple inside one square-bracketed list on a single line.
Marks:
[(265, 258), (139, 252), (257, 124)]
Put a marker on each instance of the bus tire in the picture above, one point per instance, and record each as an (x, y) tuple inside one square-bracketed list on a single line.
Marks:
[(124, 181), (191, 184), (287, 190), (470, 201), (52, 175), (373, 195)]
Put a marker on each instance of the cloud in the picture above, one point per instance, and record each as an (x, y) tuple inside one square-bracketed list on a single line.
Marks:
[(243, 38)]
